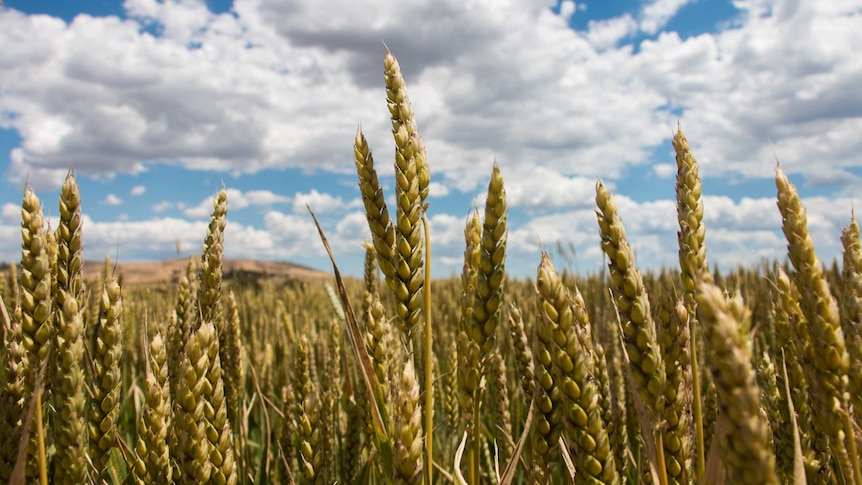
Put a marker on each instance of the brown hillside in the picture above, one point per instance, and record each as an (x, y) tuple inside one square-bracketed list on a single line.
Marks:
[(152, 272)]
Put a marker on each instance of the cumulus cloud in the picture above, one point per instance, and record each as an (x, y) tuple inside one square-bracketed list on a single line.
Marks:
[(605, 34), (774, 78), (138, 191), (112, 199), (278, 84), (297, 235), (139, 240), (321, 202), (10, 213), (544, 189), (236, 200), (436, 189), (567, 8), (664, 170), (258, 197), (655, 15), (162, 206), (267, 86), (744, 232), (287, 237)]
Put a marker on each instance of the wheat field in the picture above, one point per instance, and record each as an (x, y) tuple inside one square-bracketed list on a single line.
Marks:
[(679, 376)]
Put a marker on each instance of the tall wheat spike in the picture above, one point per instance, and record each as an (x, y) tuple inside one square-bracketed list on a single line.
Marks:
[(12, 394), (190, 416), (487, 292), (69, 384), (852, 319), (234, 375), (523, 354), (105, 402), (491, 267), (746, 454), (574, 372), (407, 458), (209, 295), (789, 329), (469, 354), (308, 418), (221, 448), (156, 418), (673, 332), (36, 303), (376, 212), (410, 168), (692, 261), (831, 363), (548, 413), (639, 333)]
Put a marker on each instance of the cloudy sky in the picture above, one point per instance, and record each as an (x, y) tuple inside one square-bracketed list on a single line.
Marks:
[(156, 104)]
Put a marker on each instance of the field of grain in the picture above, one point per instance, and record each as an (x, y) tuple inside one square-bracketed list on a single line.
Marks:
[(672, 377)]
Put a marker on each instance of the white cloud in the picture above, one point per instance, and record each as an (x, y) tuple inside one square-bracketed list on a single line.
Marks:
[(139, 240), (297, 230), (345, 235), (260, 197), (664, 170), (737, 232), (11, 214), (543, 189), (162, 206), (568, 8), (112, 199), (773, 78), (655, 15), (321, 202), (436, 189), (605, 34), (226, 106), (447, 232), (745, 232), (283, 84), (237, 199), (285, 237), (267, 84), (138, 190), (180, 20)]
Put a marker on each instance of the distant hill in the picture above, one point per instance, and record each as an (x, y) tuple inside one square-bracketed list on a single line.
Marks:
[(153, 272)]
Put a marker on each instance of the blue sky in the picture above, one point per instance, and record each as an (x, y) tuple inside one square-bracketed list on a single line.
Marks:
[(157, 104)]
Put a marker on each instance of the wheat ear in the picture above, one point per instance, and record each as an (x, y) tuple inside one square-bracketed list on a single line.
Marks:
[(831, 361), (69, 383), (852, 320), (630, 297), (105, 401), (574, 372), (407, 255), (692, 261), (12, 393), (156, 417), (746, 453)]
